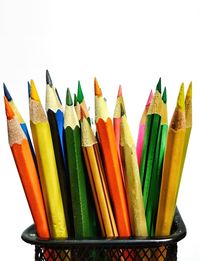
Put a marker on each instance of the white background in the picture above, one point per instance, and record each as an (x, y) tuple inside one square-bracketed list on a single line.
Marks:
[(131, 43)]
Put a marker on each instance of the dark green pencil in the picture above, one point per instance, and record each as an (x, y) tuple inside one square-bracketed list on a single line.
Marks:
[(150, 141), (83, 212), (152, 204)]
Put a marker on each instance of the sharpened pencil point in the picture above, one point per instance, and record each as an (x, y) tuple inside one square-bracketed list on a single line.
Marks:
[(33, 91), (9, 112), (75, 99), (164, 96), (29, 90), (58, 96), (149, 98), (180, 101), (119, 91), (6, 93), (80, 96), (189, 90), (158, 87), (97, 89), (48, 79), (69, 101)]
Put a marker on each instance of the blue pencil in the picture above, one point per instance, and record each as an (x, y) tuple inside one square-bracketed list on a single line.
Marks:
[(21, 121)]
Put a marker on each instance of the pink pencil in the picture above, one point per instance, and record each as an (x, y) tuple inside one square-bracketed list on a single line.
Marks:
[(142, 127), (117, 122)]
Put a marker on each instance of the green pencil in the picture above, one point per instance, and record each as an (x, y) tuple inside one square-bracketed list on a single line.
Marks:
[(84, 224), (150, 141), (81, 101), (152, 204)]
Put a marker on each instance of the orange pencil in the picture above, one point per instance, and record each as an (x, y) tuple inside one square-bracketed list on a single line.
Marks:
[(108, 145), (117, 125), (27, 171)]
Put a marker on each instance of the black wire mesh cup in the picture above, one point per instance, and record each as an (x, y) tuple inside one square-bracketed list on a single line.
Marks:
[(135, 248)]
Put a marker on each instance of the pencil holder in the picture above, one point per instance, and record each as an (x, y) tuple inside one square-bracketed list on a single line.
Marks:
[(136, 248)]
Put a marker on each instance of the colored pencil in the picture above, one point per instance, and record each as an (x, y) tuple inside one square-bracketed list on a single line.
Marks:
[(132, 181), (117, 124), (97, 179), (27, 171), (81, 101), (56, 121), (108, 145), (84, 225), (152, 204), (140, 139), (188, 118), (47, 166), (150, 141), (21, 120), (172, 168), (59, 113), (77, 107)]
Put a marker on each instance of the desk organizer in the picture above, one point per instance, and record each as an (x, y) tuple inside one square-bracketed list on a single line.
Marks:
[(134, 248)]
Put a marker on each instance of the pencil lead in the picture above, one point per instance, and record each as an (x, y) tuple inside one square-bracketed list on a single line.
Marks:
[(69, 101), (58, 96), (164, 96), (149, 98), (29, 89), (80, 96), (75, 99), (119, 91), (33, 91), (189, 90), (48, 79), (158, 87), (97, 89), (180, 101), (6, 93), (9, 112)]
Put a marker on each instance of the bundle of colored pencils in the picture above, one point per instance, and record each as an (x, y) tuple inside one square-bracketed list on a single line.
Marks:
[(83, 184)]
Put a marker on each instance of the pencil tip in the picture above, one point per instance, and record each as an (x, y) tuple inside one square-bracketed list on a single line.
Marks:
[(29, 89), (158, 87), (6, 93), (69, 101), (164, 96), (75, 99), (180, 100), (97, 89), (119, 91), (56, 91), (189, 90), (80, 96), (149, 98), (8, 109), (33, 91), (48, 79)]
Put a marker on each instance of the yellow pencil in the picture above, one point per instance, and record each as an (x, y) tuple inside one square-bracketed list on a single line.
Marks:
[(188, 118), (97, 179), (132, 182), (47, 166), (172, 168)]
